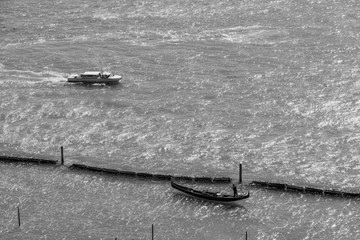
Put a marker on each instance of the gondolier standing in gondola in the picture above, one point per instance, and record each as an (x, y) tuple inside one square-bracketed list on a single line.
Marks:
[(235, 190)]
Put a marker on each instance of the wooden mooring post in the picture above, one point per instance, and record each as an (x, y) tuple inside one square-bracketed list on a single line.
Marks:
[(62, 155), (240, 173), (152, 231), (19, 216)]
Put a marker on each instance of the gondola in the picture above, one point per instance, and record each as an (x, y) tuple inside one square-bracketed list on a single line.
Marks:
[(209, 195)]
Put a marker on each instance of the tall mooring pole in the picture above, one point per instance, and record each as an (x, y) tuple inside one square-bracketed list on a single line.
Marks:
[(152, 231), (19, 216), (62, 155), (240, 173)]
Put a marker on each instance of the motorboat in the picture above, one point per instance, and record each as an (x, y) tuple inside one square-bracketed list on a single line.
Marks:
[(91, 77)]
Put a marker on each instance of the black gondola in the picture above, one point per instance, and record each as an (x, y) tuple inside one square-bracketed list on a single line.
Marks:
[(209, 195)]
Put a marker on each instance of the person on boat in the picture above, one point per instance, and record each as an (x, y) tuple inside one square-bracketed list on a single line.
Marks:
[(235, 190)]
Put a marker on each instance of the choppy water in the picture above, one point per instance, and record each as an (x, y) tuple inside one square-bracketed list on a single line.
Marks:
[(206, 85)]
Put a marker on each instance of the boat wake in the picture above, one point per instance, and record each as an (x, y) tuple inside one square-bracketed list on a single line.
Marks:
[(31, 77)]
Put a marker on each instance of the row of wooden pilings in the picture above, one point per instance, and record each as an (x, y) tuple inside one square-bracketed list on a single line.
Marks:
[(303, 189), (151, 176), (121, 173), (125, 173), (203, 179), (152, 227)]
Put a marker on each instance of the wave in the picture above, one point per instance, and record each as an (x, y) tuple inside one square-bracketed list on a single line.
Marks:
[(246, 34), (106, 15)]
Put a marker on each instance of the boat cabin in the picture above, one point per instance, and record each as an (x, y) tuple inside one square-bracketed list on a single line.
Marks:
[(95, 74), (90, 74)]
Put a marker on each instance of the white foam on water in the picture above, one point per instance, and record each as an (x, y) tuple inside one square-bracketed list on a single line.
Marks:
[(207, 85)]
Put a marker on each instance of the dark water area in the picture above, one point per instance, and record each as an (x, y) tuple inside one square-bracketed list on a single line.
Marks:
[(206, 85)]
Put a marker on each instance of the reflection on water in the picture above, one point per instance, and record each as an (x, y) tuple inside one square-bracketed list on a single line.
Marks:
[(192, 200)]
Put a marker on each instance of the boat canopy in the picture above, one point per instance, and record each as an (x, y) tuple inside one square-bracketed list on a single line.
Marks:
[(93, 73)]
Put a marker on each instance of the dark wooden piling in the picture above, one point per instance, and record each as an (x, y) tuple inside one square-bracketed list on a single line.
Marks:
[(127, 173), (94, 169), (277, 185), (221, 180), (203, 179), (144, 175), (295, 188), (152, 231), (240, 173), (110, 171), (76, 165), (162, 176), (62, 155), (333, 192), (26, 160), (351, 194), (19, 216), (184, 178), (45, 161), (259, 183), (314, 190)]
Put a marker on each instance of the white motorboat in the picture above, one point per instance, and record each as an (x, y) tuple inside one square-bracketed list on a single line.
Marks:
[(94, 77)]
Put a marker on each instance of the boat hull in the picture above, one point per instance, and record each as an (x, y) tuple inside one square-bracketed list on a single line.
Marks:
[(95, 80), (209, 195), (94, 77)]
